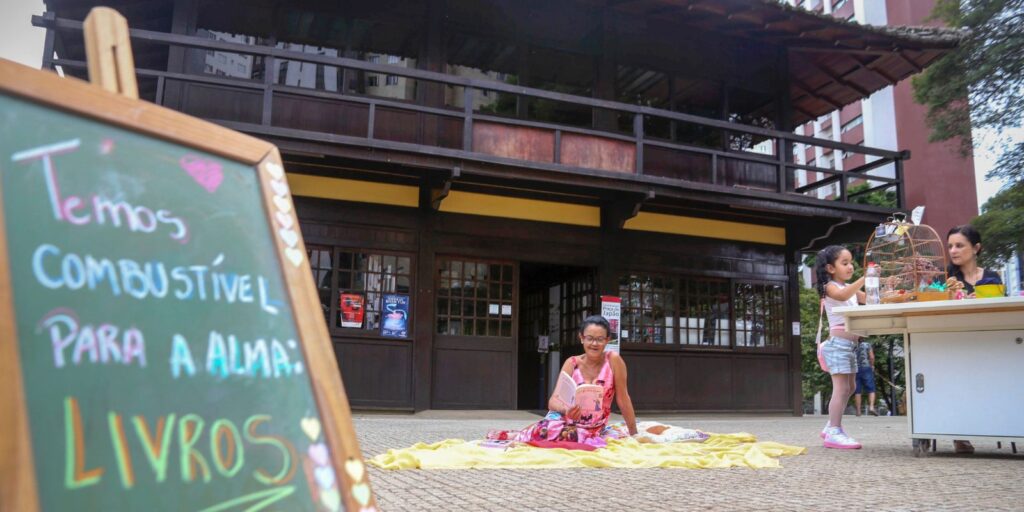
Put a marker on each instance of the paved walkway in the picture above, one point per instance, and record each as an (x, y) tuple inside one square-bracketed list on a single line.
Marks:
[(883, 476)]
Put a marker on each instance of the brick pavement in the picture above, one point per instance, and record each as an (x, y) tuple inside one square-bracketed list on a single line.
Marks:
[(883, 476)]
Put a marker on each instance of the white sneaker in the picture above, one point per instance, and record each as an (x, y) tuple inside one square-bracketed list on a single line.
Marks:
[(836, 438), (825, 430)]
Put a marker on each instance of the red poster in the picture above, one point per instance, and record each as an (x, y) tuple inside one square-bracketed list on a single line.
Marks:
[(351, 307)]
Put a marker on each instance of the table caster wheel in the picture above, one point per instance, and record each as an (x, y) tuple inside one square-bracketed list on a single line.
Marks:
[(922, 447)]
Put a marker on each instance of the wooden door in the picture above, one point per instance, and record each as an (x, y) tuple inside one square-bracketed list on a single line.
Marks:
[(474, 355)]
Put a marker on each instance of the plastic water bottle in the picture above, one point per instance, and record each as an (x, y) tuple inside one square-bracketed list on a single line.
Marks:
[(871, 275)]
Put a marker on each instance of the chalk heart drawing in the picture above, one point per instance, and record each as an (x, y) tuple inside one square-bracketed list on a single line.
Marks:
[(318, 452), (294, 256), (284, 220), (361, 492), (354, 468), (289, 236), (275, 170), (311, 427), (208, 174), (283, 204), (330, 499), (324, 477), (280, 187)]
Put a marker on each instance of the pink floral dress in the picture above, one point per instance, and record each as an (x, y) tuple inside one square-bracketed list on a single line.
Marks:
[(592, 428)]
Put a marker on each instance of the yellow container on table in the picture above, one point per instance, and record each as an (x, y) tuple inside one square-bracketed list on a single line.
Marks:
[(986, 291)]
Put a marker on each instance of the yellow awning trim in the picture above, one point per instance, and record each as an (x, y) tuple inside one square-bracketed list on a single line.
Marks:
[(472, 203), (693, 226), (353, 190)]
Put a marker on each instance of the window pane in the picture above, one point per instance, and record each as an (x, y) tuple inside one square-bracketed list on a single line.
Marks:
[(345, 260), (475, 287), (402, 284), (760, 315)]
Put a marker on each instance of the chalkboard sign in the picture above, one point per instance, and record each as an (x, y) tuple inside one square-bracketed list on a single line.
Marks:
[(162, 347)]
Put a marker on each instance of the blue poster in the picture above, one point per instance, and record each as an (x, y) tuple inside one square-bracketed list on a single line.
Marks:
[(396, 316)]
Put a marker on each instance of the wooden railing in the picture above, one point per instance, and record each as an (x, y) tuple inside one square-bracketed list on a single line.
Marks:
[(774, 172)]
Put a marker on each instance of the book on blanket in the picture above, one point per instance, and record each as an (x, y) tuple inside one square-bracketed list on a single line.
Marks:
[(588, 396)]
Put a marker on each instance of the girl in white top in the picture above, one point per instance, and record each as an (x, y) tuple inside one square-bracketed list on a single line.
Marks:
[(833, 267)]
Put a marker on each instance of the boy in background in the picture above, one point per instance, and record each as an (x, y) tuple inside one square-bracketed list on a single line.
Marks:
[(865, 377)]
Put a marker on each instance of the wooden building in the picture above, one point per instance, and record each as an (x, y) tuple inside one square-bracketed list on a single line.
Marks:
[(503, 163)]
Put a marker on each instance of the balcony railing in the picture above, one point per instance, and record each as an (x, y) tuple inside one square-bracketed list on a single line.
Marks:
[(468, 133)]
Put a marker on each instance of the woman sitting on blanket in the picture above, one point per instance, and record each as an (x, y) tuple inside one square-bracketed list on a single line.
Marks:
[(594, 366)]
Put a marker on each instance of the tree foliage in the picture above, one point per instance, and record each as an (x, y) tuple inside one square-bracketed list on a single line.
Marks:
[(987, 68), (1002, 224)]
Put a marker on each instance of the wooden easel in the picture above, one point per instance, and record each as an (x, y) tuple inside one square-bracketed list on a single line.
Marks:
[(115, 102), (109, 52)]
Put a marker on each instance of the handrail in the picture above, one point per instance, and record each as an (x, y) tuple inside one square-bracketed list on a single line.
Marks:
[(433, 76), (780, 160)]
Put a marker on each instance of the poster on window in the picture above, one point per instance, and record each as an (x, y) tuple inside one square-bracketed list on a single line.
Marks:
[(351, 307), (396, 316), (611, 309)]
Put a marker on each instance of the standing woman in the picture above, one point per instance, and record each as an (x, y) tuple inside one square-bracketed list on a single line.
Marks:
[(593, 366), (964, 245)]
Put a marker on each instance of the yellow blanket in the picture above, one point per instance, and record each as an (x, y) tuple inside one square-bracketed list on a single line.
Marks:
[(719, 451)]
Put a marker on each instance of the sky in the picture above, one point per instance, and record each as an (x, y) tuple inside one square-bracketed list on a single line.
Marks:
[(21, 42)]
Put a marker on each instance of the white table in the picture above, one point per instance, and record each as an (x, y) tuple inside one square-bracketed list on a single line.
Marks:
[(964, 365)]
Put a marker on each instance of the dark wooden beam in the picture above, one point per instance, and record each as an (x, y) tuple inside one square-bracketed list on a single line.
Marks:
[(814, 94), (911, 63), (869, 66), (841, 81), (438, 196), (615, 214)]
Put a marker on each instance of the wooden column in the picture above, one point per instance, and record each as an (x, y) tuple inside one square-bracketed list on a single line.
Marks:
[(183, 22), (784, 120), (523, 72), (431, 58), (793, 315), (604, 86), (423, 328)]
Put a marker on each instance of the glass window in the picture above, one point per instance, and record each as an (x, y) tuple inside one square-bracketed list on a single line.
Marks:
[(320, 262), (352, 284), (760, 315), (699, 311), (704, 312), (648, 309), (852, 123), (475, 298)]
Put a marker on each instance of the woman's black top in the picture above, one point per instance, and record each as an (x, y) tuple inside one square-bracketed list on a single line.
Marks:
[(988, 276)]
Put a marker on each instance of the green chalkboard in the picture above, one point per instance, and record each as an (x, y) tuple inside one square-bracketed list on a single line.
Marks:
[(160, 359)]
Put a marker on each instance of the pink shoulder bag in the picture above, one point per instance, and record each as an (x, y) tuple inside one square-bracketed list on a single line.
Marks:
[(817, 340)]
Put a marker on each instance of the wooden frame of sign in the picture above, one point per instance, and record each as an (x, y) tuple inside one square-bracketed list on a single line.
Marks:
[(19, 479)]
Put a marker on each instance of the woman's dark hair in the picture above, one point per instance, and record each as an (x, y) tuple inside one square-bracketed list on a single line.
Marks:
[(826, 256), (968, 232), (597, 320), (971, 235)]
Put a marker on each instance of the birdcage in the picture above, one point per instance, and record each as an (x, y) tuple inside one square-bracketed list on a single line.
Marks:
[(911, 259)]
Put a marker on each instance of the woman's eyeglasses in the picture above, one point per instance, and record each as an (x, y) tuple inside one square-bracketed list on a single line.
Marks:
[(593, 339)]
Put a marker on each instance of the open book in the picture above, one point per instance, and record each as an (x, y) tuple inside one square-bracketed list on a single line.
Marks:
[(588, 396)]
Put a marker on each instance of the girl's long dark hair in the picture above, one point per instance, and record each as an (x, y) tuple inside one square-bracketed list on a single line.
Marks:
[(826, 256), (971, 235)]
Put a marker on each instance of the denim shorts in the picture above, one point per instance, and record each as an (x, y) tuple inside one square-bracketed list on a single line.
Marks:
[(840, 355), (865, 381)]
